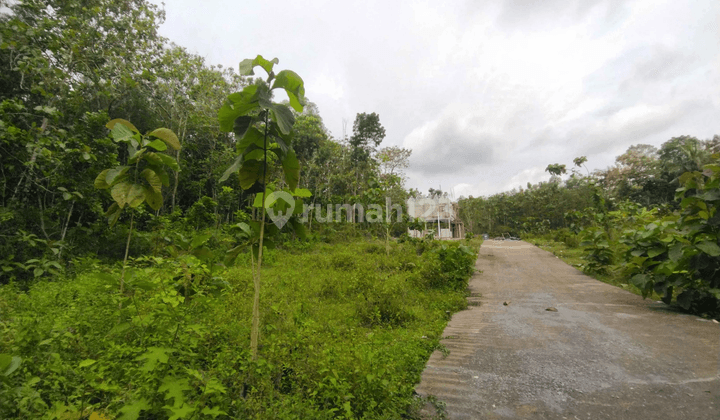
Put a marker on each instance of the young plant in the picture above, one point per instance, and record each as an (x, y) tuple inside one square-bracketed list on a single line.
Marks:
[(263, 129), (141, 178), (597, 248)]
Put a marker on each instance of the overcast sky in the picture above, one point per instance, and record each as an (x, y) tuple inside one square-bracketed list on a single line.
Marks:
[(485, 93)]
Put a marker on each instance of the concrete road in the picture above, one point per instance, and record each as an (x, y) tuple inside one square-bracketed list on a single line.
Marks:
[(605, 353)]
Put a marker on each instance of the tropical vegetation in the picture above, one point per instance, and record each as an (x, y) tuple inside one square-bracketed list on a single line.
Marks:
[(161, 255)]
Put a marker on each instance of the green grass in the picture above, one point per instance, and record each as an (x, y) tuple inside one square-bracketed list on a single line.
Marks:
[(346, 331)]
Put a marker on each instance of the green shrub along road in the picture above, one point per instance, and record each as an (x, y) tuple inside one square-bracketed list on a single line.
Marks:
[(659, 253), (346, 331)]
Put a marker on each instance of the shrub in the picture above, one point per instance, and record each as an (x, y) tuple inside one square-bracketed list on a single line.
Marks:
[(449, 266), (598, 254), (202, 213), (678, 257)]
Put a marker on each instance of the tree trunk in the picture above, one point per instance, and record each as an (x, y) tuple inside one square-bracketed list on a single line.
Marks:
[(127, 248)]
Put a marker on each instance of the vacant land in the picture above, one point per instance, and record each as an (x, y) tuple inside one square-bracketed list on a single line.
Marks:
[(346, 331)]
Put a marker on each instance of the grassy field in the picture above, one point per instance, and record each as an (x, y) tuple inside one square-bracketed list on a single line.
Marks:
[(346, 331)]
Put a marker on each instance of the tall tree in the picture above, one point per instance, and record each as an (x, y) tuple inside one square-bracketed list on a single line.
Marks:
[(309, 133), (368, 133), (393, 159)]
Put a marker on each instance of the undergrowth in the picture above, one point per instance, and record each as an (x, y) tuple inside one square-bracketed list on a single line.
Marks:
[(346, 331)]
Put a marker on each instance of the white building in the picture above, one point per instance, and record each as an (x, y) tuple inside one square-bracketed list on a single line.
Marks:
[(439, 215)]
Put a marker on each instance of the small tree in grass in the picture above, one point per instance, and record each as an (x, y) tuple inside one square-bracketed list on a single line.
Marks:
[(142, 176), (263, 129)]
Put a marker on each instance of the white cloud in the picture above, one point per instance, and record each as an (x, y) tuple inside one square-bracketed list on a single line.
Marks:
[(326, 86), (487, 94), (532, 175)]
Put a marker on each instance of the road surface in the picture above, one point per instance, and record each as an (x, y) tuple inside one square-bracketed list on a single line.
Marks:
[(604, 354)]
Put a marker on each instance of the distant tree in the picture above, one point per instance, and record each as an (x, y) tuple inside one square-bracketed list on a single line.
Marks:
[(713, 146), (414, 193), (683, 154), (368, 133), (580, 162), (636, 176), (556, 169), (394, 158), (309, 133), (436, 193)]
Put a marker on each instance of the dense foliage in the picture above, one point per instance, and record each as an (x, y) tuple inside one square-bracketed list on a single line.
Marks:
[(346, 321), (347, 329), (68, 68)]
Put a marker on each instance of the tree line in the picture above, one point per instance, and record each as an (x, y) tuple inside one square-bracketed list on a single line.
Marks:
[(70, 67), (644, 174)]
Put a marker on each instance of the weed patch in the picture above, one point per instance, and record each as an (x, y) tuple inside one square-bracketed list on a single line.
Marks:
[(345, 333)]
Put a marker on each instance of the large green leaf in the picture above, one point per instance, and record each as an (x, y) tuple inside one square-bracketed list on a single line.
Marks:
[(173, 388), (294, 86), (121, 132), (710, 169), (213, 412), (100, 182), (167, 135), (238, 104), (711, 195), (709, 247), (655, 251), (136, 195), (162, 173), (112, 123), (181, 412), (253, 136), (9, 364), (245, 228), (153, 159), (640, 280), (120, 192), (137, 154), (242, 123), (115, 174), (302, 192), (246, 66), (281, 146), (283, 117), (676, 252), (283, 140), (114, 208), (685, 298), (232, 254), (157, 145), (257, 153), (153, 356), (153, 179), (113, 214), (233, 168), (131, 410), (154, 198), (271, 199), (169, 161), (249, 173), (87, 362), (291, 167)]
